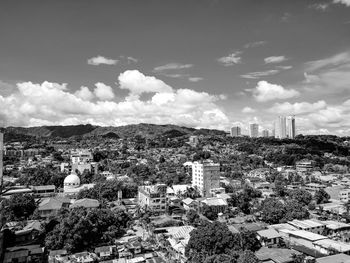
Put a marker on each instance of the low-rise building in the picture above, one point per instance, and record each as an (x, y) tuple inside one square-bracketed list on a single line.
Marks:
[(153, 197), (308, 225)]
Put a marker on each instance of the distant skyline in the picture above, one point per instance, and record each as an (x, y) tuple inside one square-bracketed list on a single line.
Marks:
[(197, 63)]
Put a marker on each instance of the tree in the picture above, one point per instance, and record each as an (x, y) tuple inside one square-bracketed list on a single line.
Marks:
[(295, 210), (248, 240), (192, 216), (321, 196), (209, 239), (272, 211), (19, 207), (209, 212), (247, 257), (300, 195), (82, 229)]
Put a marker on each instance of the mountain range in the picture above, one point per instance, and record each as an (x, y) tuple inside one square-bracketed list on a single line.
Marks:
[(88, 130)]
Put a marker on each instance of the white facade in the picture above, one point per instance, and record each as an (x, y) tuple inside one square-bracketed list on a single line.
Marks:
[(253, 130), (81, 156), (281, 128), (206, 177), (291, 127), (265, 133), (153, 197), (235, 131)]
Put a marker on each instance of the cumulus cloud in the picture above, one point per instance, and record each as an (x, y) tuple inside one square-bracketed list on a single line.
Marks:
[(231, 59), (100, 60), (84, 93), (55, 104), (103, 92), (298, 107), (137, 83), (345, 2), (248, 110), (265, 91), (275, 59)]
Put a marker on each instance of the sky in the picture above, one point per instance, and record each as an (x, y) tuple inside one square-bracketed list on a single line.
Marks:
[(196, 63)]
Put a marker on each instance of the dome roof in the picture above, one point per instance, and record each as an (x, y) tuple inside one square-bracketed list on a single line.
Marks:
[(72, 179)]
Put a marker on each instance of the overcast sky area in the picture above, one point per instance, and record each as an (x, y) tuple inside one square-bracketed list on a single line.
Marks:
[(196, 63)]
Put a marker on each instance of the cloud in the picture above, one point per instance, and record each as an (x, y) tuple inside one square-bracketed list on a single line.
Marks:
[(259, 74), (231, 59), (284, 67), (132, 60), (248, 110), (320, 6), (298, 107), (172, 66), (103, 92), (328, 75), (286, 17), (137, 83), (275, 59), (255, 44), (84, 93), (345, 2), (330, 62), (195, 79), (55, 104), (100, 60), (265, 91)]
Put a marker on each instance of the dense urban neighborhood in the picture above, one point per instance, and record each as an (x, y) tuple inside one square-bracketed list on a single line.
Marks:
[(150, 193)]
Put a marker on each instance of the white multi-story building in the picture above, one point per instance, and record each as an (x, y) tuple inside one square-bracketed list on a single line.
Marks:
[(235, 131), (153, 197), (281, 128), (206, 177), (193, 140), (81, 156), (254, 130), (265, 133), (291, 127)]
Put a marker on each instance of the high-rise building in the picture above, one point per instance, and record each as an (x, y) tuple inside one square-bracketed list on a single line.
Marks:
[(235, 131), (206, 177), (1, 158), (291, 127), (265, 133), (281, 128), (254, 130)]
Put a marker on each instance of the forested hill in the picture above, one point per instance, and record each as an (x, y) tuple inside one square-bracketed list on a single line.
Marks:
[(143, 129)]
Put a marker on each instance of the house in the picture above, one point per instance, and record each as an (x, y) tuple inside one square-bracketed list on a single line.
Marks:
[(269, 237), (86, 202), (218, 205), (338, 258), (276, 255), (308, 225), (43, 190), (57, 255), (19, 254), (189, 204), (106, 252)]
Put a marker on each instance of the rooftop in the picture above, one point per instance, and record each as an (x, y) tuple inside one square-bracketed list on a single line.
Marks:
[(304, 224), (339, 258)]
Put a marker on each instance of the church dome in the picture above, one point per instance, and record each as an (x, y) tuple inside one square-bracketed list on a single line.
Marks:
[(71, 180)]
